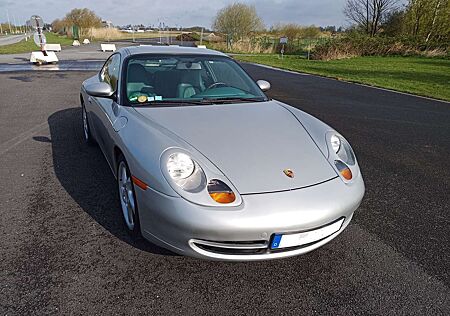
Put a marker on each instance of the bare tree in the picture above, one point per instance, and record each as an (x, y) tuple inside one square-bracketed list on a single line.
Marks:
[(436, 10), (237, 21), (417, 11), (369, 14), (357, 11), (428, 20)]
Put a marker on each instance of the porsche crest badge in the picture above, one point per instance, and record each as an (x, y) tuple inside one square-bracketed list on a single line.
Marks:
[(289, 173)]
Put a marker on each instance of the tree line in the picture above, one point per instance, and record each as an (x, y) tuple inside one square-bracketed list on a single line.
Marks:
[(238, 21), (378, 27), (84, 19), (425, 20)]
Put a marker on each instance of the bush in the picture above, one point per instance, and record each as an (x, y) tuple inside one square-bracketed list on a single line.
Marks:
[(299, 46), (354, 45), (245, 46), (269, 45), (190, 37)]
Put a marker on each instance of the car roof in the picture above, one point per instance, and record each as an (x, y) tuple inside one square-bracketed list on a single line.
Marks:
[(172, 50)]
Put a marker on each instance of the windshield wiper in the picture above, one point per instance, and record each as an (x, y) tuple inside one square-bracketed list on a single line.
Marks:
[(204, 101), (235, 99), (174, 102)]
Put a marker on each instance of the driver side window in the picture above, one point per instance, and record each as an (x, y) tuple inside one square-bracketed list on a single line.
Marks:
[(110, 71)]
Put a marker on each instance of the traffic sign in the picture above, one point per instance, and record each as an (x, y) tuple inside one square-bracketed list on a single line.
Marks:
[(39, 39), (36, 21), (283, 40)]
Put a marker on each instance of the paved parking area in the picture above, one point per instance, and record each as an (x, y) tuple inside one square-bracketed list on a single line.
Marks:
[(63, 249), (80, 53)]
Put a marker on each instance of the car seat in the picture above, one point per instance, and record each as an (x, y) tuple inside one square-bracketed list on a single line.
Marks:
[(139, 80), (190, 83)]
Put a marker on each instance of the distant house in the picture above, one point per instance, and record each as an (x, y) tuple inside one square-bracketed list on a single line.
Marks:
[(213, 38), (107, 24)]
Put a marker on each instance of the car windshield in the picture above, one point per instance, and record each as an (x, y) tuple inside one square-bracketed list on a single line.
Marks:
[(185, 80)]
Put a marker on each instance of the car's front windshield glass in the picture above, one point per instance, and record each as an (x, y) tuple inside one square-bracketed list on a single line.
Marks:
[(185, 80)]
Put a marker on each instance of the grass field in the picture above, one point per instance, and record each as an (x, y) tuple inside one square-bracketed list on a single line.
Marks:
[(29, 46), (428, 77)]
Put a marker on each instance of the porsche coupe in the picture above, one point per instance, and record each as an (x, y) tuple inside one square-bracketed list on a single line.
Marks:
[(209, 166)]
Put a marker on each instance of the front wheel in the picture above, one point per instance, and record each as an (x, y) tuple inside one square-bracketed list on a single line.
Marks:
[(127, 198), (86, 127)]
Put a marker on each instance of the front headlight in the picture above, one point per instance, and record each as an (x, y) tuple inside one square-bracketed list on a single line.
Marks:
[(335, 143), (341, 155), (342, 149), (185, 172), (180, 166), (200, 184)]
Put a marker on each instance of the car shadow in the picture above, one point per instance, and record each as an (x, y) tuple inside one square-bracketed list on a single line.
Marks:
[(85, 175)]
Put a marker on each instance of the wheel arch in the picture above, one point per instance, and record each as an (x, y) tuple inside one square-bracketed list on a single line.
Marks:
[(117, 152)]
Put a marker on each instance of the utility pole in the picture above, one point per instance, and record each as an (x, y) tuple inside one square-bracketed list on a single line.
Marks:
[(20, 25), (181, 29), (201, 37), (15, 24), (9, 21), (167, 35)]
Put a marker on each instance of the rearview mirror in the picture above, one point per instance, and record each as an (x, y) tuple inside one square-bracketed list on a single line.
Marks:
[(99, 89), (263, 85)]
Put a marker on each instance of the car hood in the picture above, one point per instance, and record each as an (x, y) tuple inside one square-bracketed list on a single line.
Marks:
[(251, 143)]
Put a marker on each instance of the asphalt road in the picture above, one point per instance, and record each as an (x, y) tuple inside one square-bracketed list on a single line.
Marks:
[(12, 39), (83, 53), (63, 249)]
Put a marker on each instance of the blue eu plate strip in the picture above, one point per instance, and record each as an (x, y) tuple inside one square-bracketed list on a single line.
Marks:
[(276, 241)]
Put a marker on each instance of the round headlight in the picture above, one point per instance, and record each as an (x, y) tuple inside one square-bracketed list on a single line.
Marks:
[(335, 143), (180, 166), (341, 149)]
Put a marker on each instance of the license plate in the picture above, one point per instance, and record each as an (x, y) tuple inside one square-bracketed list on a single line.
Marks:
[(294, 240)]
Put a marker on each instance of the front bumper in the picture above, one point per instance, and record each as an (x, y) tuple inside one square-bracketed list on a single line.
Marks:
[(244, 232)]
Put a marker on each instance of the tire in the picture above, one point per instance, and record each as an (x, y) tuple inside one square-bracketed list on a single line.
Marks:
[(86, 127), (127, 198)]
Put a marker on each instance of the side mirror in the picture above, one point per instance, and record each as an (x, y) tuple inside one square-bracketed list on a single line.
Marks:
[(99, 89), (263, 85)]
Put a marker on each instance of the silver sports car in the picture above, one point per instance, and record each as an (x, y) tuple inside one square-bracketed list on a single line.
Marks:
[(208, 166)]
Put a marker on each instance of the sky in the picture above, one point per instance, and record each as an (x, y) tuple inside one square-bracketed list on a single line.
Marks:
[(178, 12)]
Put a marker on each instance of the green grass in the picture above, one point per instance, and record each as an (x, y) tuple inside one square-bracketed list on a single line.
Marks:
[(29, 46), (428, 77)]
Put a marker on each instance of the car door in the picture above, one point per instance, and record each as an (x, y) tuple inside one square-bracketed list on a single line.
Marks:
[(106, 110)]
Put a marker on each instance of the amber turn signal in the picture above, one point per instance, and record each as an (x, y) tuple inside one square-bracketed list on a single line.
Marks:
[(138, 182), (344, 170), (220, 192), (223, 197)]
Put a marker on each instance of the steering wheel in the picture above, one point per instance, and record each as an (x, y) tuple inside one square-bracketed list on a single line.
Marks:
[(217, 84)]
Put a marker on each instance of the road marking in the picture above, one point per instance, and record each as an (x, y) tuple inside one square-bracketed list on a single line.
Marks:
[(283, 70), (13, 142), (349, 82)]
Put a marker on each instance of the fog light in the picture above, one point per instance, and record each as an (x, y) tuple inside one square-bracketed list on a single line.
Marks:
[(220, 192), (344, 170)]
